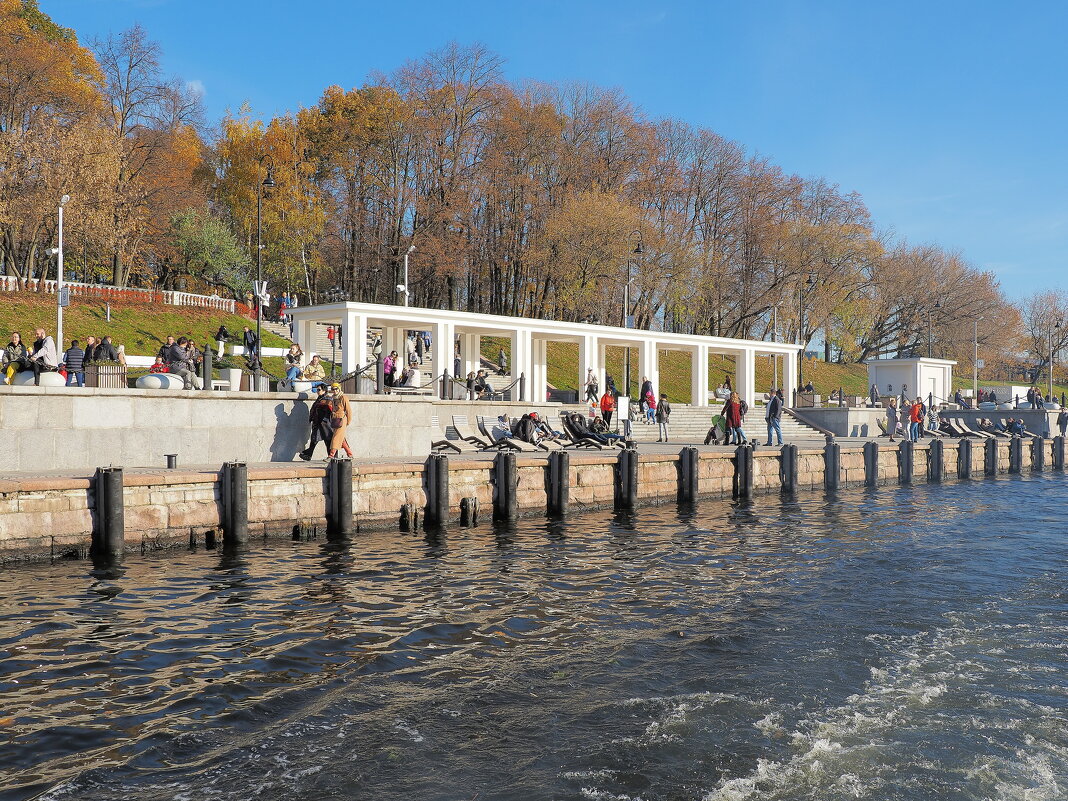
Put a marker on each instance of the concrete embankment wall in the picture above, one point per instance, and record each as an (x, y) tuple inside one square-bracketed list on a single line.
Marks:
[(74, 429), (59, 516)]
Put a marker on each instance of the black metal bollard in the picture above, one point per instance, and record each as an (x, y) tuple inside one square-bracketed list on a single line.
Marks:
[(871, 464), (235, 503), (743, 472), (206, 368), (380, 376), (688, 477), (469, 512), (559, 482), (1038, 454), (905, 459), (1058, 453), (964, 458), (505, 482), (339, 502), (832, 465), (172, 460), (627, 479), (437, 489), (936, 461), (788, 468), (990, 457), (522, 387), (1015, 454), (110, 534)]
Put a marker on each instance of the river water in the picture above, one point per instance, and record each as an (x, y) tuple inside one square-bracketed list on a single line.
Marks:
[(903, 643)]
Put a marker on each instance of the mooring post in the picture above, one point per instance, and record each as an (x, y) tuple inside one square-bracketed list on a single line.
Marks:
[(1058, 453), (990, 457), (788, 459), (505, 481), (409, 520), (339, 505), (380, 376), (110, 534), (936, 461), (559, 482), (743, 472), (437, 490), (871, 463), (905, 455), (688, 474), (235, 503), (1015, 454), (469, 512), (1038, 454), (832, 464), (627, 479), (964, 458)]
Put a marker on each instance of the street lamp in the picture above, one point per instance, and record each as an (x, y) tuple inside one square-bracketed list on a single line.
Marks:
[(261, 291), (975, 362), (1056, 327), (62, 298), (638, 251), (809, 283), (404, 287), (930, 328)]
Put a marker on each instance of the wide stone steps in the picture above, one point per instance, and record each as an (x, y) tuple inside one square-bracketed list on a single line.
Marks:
[(691, 423)]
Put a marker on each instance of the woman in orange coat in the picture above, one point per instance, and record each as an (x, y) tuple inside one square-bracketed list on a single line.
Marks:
[(340, 418), (608, 405)]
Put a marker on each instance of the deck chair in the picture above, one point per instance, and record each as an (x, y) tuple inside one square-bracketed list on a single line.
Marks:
[(504, 442), (465, 432), (439, 441), (570, 441), (971, 432)]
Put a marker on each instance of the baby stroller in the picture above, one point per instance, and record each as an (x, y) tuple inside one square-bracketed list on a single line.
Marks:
[(717, 434)]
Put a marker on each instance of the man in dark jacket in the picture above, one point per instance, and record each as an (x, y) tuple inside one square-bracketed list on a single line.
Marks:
[(106, 352), (318, 416), (180, 361), (90, 349), (772, 415), (251, 343), (165, 349), (74, 361)]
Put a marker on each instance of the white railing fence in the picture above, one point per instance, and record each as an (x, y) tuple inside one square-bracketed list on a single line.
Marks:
[(8, 283)]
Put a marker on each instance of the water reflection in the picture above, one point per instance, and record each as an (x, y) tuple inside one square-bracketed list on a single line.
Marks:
[(715, 650)]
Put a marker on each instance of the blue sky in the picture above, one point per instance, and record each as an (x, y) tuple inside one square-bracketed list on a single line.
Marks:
[(949, 118)]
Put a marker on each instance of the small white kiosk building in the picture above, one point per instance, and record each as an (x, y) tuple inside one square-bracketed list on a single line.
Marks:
[(915, 378)]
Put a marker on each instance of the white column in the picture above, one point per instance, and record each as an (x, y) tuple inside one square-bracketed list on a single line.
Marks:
[(469, 354), (648, 365), (588, 359), (353, 342), (522, 362), (444, 334), (699, 376), (789, 378), (601, 370), (745, 385), (305, 331), (539, 358)]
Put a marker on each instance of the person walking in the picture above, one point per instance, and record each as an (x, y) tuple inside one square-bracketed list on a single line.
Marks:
[(773, 414), (592, 388), (502, 361), (732, 413), (915, 419), (663, 415), (74, 361), (221, 336), (891, 417), (318, 416), (608, 405), (650, 407), (340, 418), (1062, 421), (251, 344)]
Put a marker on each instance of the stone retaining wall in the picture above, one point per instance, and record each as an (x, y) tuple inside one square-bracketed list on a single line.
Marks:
[(54, 517)]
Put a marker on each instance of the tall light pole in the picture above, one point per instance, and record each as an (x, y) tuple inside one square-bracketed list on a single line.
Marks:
[(261, 290), (1056, 327), (404, 287), (809, 283), (638, 250), (63, 201), (975, 362), (930, 328)]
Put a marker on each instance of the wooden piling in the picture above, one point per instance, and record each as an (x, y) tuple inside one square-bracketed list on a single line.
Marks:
[(832, 465), (871, 463), (437, 490), (936, 461), (559, 482), (688, 474), (905, 460), (788, 467), (505, 482), (109, 538), (627, 479), (235, 503), (743, 472), (339, 500)]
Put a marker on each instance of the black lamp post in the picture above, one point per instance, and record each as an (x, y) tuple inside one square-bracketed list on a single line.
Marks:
[(930, 328), (266, 184)]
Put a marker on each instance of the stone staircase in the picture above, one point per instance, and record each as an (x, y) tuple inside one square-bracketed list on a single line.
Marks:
[(691, 424)]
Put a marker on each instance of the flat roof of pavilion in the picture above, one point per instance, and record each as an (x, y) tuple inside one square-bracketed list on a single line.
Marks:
[(415, 318)]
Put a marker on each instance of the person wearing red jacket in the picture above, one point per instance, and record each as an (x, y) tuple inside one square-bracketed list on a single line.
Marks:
[(608, 405), (732, 413)]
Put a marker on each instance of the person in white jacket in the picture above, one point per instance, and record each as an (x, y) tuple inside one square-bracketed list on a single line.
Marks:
[(43, 357)]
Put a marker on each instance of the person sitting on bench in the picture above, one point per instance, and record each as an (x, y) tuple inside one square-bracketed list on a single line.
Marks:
[(43, 357)]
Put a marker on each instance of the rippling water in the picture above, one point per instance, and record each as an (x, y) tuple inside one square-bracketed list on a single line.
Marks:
[(904, 643)]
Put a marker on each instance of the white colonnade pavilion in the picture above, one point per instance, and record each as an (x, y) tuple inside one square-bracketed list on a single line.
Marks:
[(461, 332)]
